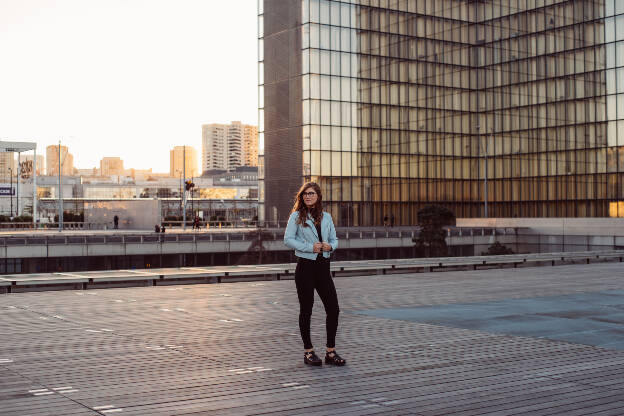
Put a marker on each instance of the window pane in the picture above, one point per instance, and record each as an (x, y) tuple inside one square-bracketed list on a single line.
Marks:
[(610, 55), (325, 44), (260, 50), (620, 54), (261, 96), (260, 73), (306, 112), (305, 36), (612, 133), (325, 87), (609, 29), (344, 15), (325, 137), (315, 86), (260, 26), (335, 13), (609, 9), (315, 63), (620, 79), (345, 64), (324, 11), (315, 112), (314, 11), (335, 88), (325, 62), (315, 137), (611, 81), (325, 163), (335, 110), (611, 107), (326, 113), (305, 11), (619, 27), (305, 61), (314, 36)]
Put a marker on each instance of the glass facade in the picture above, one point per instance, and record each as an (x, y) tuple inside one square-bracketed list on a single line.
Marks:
[(408, 103)]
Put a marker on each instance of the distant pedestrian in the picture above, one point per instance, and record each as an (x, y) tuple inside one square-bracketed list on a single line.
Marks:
[(385, 220), (116, 222), (156, 228), (162, 228), (196, 223), (311, 233), (391, 220)]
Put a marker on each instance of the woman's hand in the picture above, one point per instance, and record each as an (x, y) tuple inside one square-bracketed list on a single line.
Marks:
[(318, 247), (327, 247)]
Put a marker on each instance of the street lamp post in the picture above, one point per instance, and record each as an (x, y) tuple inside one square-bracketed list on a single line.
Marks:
[(485, 176), (60, 189), (11, 191), (181, 192), (17, 181), (184, 194), (485, 171)]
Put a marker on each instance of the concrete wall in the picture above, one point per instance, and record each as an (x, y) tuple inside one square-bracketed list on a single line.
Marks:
[(553, 226)]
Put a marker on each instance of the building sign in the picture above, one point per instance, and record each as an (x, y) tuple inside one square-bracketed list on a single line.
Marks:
[(6, 191), (26, 169)]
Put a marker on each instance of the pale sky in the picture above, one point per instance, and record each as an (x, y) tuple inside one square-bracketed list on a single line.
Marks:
[(127, 78)]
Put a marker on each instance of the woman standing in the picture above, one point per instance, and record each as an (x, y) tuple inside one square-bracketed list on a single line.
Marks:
[(311, 233)]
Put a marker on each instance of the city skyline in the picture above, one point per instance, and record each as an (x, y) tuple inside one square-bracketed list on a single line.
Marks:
[(149, 84)]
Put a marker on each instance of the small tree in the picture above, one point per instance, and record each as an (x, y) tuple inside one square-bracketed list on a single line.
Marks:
[(431, 240)]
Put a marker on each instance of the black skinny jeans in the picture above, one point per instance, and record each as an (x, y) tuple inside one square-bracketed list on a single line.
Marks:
[(310, 275)]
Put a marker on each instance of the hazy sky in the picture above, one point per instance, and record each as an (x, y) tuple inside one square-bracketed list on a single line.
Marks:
[(127, 78)]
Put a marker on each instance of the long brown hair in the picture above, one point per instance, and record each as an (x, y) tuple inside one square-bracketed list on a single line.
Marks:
[(316, 211)]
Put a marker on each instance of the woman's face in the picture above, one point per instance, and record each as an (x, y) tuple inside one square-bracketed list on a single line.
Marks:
[(310, 197)]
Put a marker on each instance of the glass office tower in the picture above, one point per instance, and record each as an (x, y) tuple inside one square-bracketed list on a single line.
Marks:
[(514, 106)]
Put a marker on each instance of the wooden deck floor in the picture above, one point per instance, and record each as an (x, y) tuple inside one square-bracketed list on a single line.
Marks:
[(234, 349)]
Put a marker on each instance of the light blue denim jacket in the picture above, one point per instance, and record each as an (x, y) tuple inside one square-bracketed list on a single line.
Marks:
[(302, 238)]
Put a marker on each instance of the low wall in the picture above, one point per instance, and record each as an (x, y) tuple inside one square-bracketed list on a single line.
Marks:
[(553, 226)]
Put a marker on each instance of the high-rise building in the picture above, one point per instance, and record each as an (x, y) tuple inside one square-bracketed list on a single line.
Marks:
[(391, 105), (183, 159), (227, 146), (250, 145), (52, 159), (40, 162), (111, 166), (8, 165)]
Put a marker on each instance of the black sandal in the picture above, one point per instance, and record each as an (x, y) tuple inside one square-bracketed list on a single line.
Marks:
[(311, 358), (334, 359)]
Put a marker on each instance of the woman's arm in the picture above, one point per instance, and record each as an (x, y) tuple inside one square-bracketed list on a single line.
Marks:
[(290, 236), (332, 238)]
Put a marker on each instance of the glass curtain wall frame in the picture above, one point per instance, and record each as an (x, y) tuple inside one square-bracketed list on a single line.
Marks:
[(404, 102)]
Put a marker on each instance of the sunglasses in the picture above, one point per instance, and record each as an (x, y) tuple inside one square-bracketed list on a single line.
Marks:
[(308, 193)]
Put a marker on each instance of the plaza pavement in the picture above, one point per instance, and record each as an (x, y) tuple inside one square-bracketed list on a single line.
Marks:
[(527, 341)]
